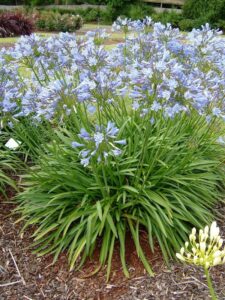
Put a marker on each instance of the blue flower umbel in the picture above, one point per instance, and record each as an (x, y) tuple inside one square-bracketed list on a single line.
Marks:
[(99, 144)]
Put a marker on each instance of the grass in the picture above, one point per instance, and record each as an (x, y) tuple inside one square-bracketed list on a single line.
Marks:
[(86, 27), (94, 26), (116, 37), (12, 40)]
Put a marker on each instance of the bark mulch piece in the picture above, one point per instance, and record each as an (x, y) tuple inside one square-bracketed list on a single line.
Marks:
[(25, 276)]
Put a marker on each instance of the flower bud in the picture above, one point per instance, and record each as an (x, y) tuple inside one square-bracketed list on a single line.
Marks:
[(217, 261), (202, 246), (214, 231), (207, 265), (220, 243), (182, 251), (217, 253), (206, 230), (193, 232), (192, 237), (179, 256), (193, 250)]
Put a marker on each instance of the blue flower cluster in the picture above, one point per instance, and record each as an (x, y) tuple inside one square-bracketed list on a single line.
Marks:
[(99, 144), (158, 70)]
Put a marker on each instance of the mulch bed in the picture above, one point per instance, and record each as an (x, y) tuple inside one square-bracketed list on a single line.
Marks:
[(23, 275)]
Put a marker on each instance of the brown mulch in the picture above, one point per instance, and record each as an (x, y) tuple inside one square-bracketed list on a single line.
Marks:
[(23, 275)]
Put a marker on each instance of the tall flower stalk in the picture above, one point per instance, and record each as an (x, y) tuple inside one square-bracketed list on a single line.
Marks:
[(205, 250)]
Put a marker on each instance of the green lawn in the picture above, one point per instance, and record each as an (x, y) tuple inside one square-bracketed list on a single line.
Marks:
[(114, 37), (12, 40), (8, 40)]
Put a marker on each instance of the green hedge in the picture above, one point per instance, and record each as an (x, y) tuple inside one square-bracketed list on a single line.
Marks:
[(196, 13), (11, 2), (212, 9)]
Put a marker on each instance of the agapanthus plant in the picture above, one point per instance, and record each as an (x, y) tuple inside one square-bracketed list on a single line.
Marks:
[(121, 140)]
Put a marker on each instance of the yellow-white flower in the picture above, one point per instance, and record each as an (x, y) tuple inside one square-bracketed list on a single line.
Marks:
[(204, 249)]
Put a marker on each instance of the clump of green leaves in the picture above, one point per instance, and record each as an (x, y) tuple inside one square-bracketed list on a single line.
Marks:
[(53, 21), (7, 167), (166, 180), (204, 11)]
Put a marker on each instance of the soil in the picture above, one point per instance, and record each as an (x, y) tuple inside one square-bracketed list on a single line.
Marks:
[(23, 275)]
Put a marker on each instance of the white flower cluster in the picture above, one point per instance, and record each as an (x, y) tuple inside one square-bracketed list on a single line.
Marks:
[(204, 249)]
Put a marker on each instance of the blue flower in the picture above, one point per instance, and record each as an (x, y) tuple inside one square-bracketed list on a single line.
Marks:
[(76, 144)]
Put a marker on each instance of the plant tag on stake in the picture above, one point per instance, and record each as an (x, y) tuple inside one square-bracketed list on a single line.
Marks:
[(12, 144)]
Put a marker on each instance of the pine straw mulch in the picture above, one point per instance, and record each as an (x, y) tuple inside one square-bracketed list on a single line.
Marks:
[(23, 275)]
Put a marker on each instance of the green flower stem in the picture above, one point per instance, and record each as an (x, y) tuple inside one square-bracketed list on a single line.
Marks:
[(209, 282)]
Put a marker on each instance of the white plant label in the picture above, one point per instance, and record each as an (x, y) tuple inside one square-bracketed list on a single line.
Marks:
[(12, 144)]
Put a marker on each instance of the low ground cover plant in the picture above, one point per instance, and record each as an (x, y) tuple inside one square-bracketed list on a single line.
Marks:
[(117, 141)]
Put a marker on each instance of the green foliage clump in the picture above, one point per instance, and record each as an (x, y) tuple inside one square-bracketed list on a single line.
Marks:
[(11, 2), (51, 21), (166, 179), (8, 165), (212, 8), (168, 17), (205, 11), (120, 3), (186, 24), (139, 11)]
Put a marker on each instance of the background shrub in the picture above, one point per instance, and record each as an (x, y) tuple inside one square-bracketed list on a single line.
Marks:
[(194, 9), (221, 24), (52, 21), (205, 11), (138, 11), (92, 14), (186, 24), (15, 24), (11, 2), (168, 17)]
